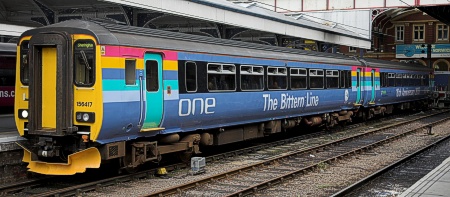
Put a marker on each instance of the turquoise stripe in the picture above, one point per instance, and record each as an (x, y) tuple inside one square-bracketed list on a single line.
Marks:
[(172, 83), (118, 85)]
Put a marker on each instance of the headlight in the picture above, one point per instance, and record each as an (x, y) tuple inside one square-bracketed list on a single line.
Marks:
[(23, 113), (85, 116)]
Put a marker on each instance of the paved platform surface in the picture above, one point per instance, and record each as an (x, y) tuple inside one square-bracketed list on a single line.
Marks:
[(8, 141), (10, 136), (7, 123), (436, 183)]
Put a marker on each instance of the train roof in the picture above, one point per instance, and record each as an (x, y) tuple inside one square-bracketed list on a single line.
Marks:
[(113, 34), (8, 47)]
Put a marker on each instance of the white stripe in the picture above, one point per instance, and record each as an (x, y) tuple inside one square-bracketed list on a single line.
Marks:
[(120, 96)]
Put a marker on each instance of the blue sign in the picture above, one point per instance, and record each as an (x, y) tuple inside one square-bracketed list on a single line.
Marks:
[(411, 51), (440, 50), (420, 50)]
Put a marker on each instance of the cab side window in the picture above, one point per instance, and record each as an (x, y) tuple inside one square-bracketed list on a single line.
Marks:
[(84, 62)]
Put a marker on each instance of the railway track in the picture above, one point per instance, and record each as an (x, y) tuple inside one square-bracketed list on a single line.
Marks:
[(256, 150), (396, 171), (256, 177)]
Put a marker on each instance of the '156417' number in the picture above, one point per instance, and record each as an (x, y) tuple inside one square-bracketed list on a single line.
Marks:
[(84, 104)]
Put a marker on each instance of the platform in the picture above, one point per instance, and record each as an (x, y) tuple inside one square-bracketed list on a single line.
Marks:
[(8, 141), (436, 183), (7, 123)]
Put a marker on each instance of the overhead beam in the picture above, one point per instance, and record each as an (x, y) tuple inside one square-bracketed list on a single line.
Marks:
[(325, 5), (49, 14), (241, 17)]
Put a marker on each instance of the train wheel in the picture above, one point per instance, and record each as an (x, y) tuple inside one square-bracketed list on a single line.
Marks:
[(126, 164), (185, 157)]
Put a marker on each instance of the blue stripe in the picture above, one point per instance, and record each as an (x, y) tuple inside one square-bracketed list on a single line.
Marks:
[(170, 75), (113, 73), (117, 73)]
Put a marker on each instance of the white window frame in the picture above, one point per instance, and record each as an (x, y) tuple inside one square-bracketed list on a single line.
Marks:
[(397, 31), (443, 31), (418, 33), (351, 49), (252, 70), (317, 73), (221, 70), (279, 71), (298, 74)]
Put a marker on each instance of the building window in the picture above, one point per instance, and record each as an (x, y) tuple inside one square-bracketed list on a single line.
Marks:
[(399, 33), (419, 32), (351, 49), (441, 65), (442, 32)]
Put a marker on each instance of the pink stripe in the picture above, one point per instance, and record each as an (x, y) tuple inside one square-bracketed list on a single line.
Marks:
[(112, 51), (170, 55), (132, 52), (118, 51)]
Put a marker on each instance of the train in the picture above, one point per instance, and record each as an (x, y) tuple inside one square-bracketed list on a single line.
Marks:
[(91, 93), (7, 77)]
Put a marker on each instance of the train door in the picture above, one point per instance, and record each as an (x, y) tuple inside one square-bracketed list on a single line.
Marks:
[(358, 86), (48, 81), (51, 92), (153, 90), (372, 85)]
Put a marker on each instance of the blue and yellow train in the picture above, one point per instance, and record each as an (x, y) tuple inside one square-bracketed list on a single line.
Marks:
[(90, 92)]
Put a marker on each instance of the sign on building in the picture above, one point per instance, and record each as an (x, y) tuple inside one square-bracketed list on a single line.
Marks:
[(420, 50)]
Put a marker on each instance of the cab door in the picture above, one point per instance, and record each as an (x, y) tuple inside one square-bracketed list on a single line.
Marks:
[(372, 85), (153, 90), (51, 87), (358, 86), (48, 81)]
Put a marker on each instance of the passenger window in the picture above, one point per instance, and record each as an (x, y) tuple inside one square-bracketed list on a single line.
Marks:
[(221, 77), (252, 78), (277, 78), (298, 78), (84, 64), (342, 77), (398, 80), (316, 78), (191, 77), (130, 72), (391, 79), (349, 79), (151, 75), (332, 79), (358, 78), (24, 72)]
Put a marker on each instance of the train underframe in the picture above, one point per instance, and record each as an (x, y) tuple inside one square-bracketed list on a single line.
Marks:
[(45, 154), (135, 153)]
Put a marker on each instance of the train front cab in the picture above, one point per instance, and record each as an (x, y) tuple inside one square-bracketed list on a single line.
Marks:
[(58, 102)]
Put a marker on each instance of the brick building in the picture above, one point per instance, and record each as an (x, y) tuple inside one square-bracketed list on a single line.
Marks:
[(403, 35)]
